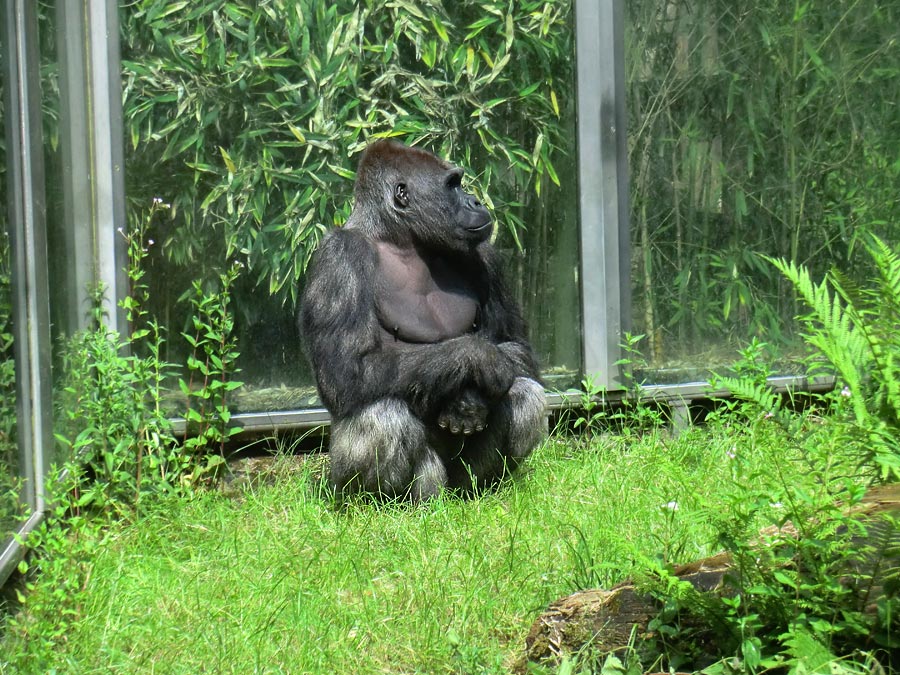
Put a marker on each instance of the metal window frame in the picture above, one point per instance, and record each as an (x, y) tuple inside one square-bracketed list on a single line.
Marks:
[(91, 140), (603, 187)]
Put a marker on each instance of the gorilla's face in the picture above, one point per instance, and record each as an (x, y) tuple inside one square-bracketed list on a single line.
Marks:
[(473, 219), (422, 198)]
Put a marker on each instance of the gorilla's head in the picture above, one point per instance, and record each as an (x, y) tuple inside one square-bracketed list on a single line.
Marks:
[(407, 195)]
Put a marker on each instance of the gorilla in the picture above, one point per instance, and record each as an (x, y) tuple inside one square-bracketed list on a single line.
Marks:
[(418, 349)]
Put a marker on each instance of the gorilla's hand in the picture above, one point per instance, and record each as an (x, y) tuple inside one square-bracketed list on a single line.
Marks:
[(466, 414), (494, 370)]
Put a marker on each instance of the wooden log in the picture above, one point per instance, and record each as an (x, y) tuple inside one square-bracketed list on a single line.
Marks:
[(607, 618)]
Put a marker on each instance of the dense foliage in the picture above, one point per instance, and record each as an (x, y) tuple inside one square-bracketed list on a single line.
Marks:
[(247, 118)]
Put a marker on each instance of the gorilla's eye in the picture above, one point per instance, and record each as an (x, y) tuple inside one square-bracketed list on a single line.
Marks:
[(401, 195)]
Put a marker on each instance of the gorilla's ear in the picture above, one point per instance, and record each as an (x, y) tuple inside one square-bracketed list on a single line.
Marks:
[(401, 195)]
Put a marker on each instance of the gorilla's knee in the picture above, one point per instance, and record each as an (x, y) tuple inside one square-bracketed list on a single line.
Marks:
[(526, 410), (429, 476), (383, 450)]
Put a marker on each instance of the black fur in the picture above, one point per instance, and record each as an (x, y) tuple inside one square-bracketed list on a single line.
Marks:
[(420, 353)]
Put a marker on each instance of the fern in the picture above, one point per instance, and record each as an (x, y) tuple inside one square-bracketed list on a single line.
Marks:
[(856, 331), (880, 321)]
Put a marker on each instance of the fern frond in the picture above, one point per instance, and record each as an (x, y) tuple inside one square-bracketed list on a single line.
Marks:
[(807, 654), (887, 262), (886, 326), (833, 330), (876, 314), (754, 392)]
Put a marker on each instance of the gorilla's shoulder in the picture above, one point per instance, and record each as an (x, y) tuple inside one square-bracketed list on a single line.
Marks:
[(345, 237), (342, 242)]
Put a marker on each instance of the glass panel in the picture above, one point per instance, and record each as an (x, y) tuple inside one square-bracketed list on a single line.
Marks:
[(59, 258), (244, 124), (9, 452), (762, 128)]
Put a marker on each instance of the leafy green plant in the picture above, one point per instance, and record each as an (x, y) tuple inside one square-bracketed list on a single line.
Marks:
[(852, 331), (592, 410), (633, 413), (803, 566), (748, 381), (111, 420), (637, 412), (113, 424), (63, 546), (210, 367)]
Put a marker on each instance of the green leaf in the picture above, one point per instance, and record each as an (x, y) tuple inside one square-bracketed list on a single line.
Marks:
[(783, 578), (439, 28), (192, 415), (229, 163)]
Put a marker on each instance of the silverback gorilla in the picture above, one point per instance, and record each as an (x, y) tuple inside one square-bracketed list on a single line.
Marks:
[(419, 351)]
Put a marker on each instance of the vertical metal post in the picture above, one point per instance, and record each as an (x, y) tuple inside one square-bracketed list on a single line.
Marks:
[(93, 157), (28, 243), (603, 185)]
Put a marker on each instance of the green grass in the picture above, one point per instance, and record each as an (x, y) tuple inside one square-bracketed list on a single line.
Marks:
[(278, 580)]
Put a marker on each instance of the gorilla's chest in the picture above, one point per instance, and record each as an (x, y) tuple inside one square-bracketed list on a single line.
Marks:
[(421, 301)]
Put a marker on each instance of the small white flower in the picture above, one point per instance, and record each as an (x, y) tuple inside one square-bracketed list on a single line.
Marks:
[(150, 242), (776, 505), (845, 392), (731, 454), (670, 506)]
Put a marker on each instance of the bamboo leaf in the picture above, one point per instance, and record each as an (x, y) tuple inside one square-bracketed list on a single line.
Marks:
[(229, 163)]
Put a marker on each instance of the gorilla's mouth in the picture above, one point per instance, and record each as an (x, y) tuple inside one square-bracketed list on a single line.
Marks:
[(479, 228)]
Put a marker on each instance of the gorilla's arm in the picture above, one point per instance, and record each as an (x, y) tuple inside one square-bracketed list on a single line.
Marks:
[(345, 341)]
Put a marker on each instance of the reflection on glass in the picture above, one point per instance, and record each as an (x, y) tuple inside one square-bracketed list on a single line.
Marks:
[(759, 131), (246, 124)]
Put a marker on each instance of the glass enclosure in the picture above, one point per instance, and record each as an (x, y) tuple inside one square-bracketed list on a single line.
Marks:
[(642, 159), (764, 129), (246, 123)]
